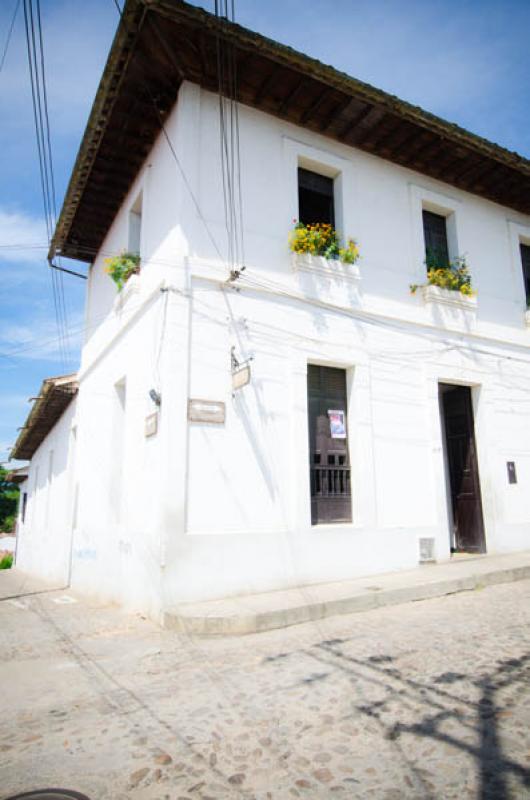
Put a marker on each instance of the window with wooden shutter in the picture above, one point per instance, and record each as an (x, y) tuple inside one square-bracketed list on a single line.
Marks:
[(435, 233), (315, 198), (525, 260)]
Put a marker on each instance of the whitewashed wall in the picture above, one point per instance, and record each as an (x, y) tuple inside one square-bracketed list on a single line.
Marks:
[(44, 539), (212, 510)]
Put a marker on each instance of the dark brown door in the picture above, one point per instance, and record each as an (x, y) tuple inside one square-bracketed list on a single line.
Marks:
[(329, 465), (468, 523)]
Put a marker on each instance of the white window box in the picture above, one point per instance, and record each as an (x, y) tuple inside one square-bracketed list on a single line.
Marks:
[(327, 267), (131, 288), (447, 297)]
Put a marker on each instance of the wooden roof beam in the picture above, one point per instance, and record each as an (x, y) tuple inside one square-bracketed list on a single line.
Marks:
[(366, 126), (336, 115), (313, 108), (266, 85), (291, 96), (351, 124)]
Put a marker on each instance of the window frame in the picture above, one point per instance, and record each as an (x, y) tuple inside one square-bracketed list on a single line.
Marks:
[(305, 175), (298, 153), (525, 266), (448, 206), (519, 234), (441, 249)]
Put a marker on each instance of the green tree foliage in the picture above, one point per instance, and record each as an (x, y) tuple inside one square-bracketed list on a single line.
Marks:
[(9, 493)]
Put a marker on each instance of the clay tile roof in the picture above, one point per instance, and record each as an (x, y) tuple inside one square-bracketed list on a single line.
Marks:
[(161, 43), (18, 475), (54, 397)]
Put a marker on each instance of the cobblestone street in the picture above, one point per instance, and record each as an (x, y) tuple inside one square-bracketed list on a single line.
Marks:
[(425, 700)]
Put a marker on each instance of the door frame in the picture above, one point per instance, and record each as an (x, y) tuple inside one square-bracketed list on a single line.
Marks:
[(478, 389), (301, 496), (476, 534)]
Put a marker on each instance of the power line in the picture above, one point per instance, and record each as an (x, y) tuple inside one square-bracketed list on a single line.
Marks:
[(9, 34), (39, 97), (229, 143)]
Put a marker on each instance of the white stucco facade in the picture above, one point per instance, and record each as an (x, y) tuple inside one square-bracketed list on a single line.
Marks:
[(202, 510)]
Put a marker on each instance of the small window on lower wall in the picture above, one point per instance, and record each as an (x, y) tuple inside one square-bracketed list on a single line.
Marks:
[(316, 201), (525, 261)]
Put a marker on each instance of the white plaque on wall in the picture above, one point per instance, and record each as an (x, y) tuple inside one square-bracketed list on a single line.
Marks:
[(206, 411), (241, 377), (151, 424)]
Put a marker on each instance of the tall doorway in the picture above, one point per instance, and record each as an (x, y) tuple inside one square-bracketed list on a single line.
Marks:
[(462, 466), (329, 464)]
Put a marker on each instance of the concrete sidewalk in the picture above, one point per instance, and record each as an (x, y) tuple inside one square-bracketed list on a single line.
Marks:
[(15, 584), (263, 612)]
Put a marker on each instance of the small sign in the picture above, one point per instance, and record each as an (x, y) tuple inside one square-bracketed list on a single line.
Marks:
[(206, 411), (337, 424), (512, 475), (151, 424), (241, 377)]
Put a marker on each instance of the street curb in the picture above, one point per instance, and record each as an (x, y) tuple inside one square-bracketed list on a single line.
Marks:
[(207, 619)]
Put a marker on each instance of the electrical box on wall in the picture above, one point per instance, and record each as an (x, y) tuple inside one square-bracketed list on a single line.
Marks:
[(427, 554), (512, 474)]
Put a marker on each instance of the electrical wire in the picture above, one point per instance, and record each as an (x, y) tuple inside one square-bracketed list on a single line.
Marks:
[(39, 95), (229, 144), (9, 34)]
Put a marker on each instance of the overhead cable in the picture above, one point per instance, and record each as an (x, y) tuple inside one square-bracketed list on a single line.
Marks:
[(9, 34), (39, 96)]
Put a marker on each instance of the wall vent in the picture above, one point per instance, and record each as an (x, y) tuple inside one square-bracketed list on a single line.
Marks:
[(427, 550)]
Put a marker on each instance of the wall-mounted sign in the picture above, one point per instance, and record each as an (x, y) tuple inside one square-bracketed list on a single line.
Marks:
[(206, 411), (241, 377), (512, 474), (337, 424), (151, 424)]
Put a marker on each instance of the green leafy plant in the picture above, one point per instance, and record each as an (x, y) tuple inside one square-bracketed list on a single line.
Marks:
[(120, 268), (9, 494), (321, 239), (7, 561), (9, 523), (454, 275)]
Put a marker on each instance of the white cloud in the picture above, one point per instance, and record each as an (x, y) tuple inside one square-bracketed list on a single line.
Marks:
[(22, 237), (40, 340)]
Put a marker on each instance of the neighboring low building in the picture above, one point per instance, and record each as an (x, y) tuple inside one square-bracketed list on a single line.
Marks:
[(45, 518), (302, 420)]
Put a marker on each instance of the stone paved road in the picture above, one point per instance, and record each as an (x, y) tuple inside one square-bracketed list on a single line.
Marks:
[(426, 700)]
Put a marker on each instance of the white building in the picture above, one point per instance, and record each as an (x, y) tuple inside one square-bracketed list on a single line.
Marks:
[(218, 490)]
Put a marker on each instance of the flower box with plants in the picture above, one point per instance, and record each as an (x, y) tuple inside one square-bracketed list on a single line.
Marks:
[(448, 283), (317, 247), (122, 267)]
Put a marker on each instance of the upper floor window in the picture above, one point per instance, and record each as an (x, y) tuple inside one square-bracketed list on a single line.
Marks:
[(435, 234), (135, 226), (315, 198), (525, 260)]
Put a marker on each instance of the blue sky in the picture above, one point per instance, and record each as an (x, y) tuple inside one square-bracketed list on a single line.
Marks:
[(465, 60)]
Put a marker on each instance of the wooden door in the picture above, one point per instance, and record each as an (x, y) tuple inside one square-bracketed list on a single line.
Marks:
[(468, 523), (329, 466)]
